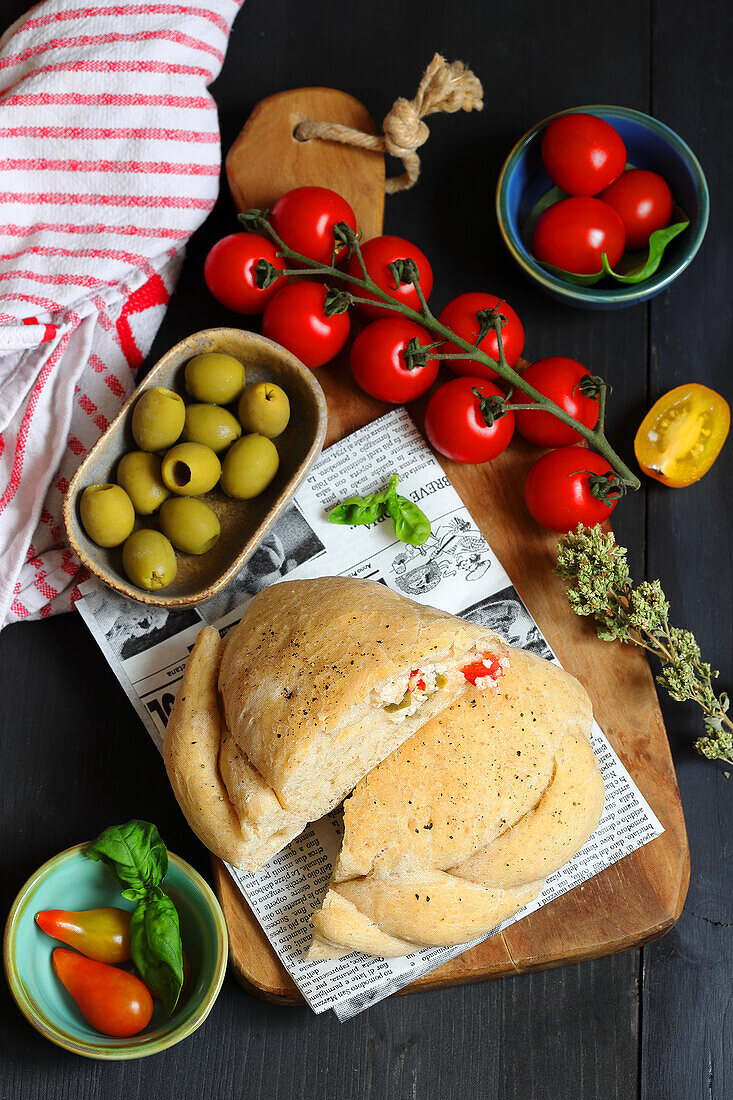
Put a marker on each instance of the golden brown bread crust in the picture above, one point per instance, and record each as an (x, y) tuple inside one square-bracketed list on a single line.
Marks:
[(294, 728), (225, 801), (191, 750), (301, 663), (461, 826)]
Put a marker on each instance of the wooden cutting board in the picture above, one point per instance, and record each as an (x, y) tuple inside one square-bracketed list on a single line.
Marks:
[(640, 897)]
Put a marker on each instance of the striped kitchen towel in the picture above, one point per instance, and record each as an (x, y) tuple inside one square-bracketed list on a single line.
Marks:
[(109, 160)]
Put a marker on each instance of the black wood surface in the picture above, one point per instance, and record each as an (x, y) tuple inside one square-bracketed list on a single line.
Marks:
[(73, 756)]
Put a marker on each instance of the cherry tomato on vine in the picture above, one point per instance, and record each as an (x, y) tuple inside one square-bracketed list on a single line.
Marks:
[(380, 367), (460, 316), (558, 378), (644, 203), (682, 434), (378, 254), (461, 420), (566, 487), (308, 320), (113, 1001), (582, 154), (304, 219), (229, 271), (573, 234)]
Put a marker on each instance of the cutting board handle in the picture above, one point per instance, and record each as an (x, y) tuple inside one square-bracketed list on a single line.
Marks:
[(267, 159)]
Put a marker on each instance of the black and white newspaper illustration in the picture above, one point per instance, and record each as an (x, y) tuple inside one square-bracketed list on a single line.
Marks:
[(455, 570)]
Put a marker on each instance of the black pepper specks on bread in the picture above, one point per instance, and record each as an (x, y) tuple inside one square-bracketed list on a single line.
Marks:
[(298, 723), (461, 825)]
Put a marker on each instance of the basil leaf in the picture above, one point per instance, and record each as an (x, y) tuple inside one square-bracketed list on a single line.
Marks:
[(658, 241), (155, 946), (410, 523), (358, 510), (633, 267), (555, 194), (367, 509), (134, 853), (572, 277)]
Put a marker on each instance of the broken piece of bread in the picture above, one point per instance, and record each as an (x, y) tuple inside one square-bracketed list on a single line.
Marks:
[(460, 826), (319, 682)]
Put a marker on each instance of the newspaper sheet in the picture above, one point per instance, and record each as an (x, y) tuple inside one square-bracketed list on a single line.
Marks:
[(455, 570)]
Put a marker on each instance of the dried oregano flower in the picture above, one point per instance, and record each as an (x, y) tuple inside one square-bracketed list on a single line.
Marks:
[(594, 566)]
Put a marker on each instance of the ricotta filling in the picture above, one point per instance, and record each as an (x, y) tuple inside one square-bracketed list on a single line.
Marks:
[(403, 696), (486, 671)]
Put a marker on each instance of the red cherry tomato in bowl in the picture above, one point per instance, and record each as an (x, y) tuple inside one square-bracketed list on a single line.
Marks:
[(378, 360), (582, 154), (378, 254), (296, 318), (644, 203), (459, 422), (573, 234), (304, 219), (460, 316), (561, 489), (558, 378), (229, 271)]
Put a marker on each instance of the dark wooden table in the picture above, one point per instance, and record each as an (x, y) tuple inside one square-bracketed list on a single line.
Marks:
[(74, 757)]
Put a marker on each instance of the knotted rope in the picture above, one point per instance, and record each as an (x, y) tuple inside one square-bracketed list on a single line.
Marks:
[(444, 86)]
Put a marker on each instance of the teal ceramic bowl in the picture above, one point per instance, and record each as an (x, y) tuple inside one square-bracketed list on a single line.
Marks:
[(649, 144), (70, 881)]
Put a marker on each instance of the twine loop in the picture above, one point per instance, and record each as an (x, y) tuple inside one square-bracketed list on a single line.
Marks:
[(445, 87)]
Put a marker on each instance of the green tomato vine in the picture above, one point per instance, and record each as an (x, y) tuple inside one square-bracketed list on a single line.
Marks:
[(405, 271)]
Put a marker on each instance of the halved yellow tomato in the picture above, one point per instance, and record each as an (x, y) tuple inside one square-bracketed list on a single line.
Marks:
[(682, 434)]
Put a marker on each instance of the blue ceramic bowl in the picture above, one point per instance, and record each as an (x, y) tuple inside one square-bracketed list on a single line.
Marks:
[(71, 881), (649, 144)]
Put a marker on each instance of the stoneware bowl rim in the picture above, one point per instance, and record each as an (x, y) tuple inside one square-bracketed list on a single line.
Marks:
[(124, 587), (136, 1046), (621, 295)]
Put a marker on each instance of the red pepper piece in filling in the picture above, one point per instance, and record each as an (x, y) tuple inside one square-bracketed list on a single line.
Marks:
[(420, 685), (478, 669)]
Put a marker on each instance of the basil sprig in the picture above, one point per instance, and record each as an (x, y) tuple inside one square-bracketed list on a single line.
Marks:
[(138, 859), (411, 525)]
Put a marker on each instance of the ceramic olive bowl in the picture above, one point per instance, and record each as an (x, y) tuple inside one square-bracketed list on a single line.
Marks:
[(71, 881), (244, 523), (649, 144)]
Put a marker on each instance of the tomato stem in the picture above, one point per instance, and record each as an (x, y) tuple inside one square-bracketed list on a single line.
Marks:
[(488, 320), (600, 423)]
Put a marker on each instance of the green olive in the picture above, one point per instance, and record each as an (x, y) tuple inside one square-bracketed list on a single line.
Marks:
[(139, 475), (190, 469), (149, 559), (214, 378), (249, 466), (158, 419), (264, 409), (107, 514), (190, 525), (214, 427)]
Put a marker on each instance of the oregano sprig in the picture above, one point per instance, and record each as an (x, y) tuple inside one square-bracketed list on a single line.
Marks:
[(599, 585)]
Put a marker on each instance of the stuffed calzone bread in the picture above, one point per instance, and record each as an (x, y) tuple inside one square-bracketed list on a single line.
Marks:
[(460, 826), (319, 682)]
